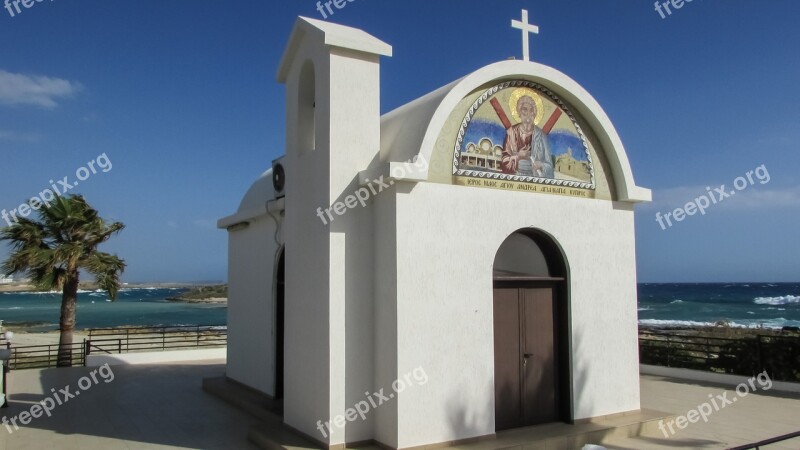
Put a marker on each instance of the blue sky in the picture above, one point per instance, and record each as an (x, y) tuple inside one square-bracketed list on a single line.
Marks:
[(181, 96)]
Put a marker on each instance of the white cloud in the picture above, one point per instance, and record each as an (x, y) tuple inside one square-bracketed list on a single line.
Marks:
[(767, 198), (35, 90), (753, 197), (14, 136)]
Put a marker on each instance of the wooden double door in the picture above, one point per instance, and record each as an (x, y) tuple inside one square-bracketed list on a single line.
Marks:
[(526, 331)]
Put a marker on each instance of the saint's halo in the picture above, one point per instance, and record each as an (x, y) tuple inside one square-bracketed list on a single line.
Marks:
[(522, 92)]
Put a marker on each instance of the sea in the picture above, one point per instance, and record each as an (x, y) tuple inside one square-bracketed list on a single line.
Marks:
[(768, 305), (147, 306), (745, 305)]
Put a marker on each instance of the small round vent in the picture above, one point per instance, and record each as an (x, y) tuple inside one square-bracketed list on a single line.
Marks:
[(278, 177)]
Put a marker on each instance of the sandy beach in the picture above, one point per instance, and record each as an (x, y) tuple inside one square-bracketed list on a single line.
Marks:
[(24, 338), (15, 288)]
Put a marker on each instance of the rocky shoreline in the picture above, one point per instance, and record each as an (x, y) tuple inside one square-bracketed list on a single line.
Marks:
[(211, 300), (203, 294), (90, 286), (722, 331)]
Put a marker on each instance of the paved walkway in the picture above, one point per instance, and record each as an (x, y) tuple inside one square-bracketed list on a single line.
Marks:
[(164, 407), (747, 419), (143, 407)]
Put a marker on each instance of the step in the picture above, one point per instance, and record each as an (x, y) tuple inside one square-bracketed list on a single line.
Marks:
[(563, 436), (247, 399), (270, 433), (617, 432), (270, 436)]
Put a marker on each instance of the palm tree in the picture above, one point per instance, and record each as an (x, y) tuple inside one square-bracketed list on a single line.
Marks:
[(53, 250)]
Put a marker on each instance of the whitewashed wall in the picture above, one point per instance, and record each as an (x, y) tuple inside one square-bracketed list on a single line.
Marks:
[(445, 295), (251, 305)]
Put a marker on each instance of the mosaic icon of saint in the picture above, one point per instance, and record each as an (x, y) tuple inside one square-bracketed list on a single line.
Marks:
[(526, 151)]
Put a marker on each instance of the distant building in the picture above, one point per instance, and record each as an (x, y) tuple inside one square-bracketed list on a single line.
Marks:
[(568, 165), (485, 156), (6, 279)]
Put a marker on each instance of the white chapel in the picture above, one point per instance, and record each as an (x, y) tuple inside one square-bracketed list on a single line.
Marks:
[(462, 265)]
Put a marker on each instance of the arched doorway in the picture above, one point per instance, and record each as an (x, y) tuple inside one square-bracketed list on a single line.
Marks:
[(531, 331), (279, 323)]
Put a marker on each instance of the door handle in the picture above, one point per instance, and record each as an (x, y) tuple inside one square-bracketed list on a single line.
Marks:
[(525, 360)]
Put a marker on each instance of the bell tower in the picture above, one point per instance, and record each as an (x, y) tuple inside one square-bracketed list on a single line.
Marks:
[(332, 78)]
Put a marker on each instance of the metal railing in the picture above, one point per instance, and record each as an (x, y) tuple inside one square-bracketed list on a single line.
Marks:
[(120, 340), (746, 355), (136, 339), (40, 356), (775, 440)]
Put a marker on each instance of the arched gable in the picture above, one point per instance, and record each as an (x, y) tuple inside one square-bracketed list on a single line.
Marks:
[(414, 131)]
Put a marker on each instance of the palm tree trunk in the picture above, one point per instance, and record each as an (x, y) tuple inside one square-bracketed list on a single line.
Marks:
[(69, 301)]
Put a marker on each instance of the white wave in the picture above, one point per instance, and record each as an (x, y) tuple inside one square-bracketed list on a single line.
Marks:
[(785, 300), (645, 308), (674, 323), (750, 312), (675, 302), (777, 324), (36, 293), (80, 291), (750, 323), (689, 323)]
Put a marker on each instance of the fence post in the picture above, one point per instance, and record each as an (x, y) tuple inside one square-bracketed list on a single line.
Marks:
[(760, 353), (669, 349), (198, 336)]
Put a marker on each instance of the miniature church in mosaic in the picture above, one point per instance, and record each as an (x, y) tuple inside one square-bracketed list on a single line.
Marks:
[(461, 265)]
